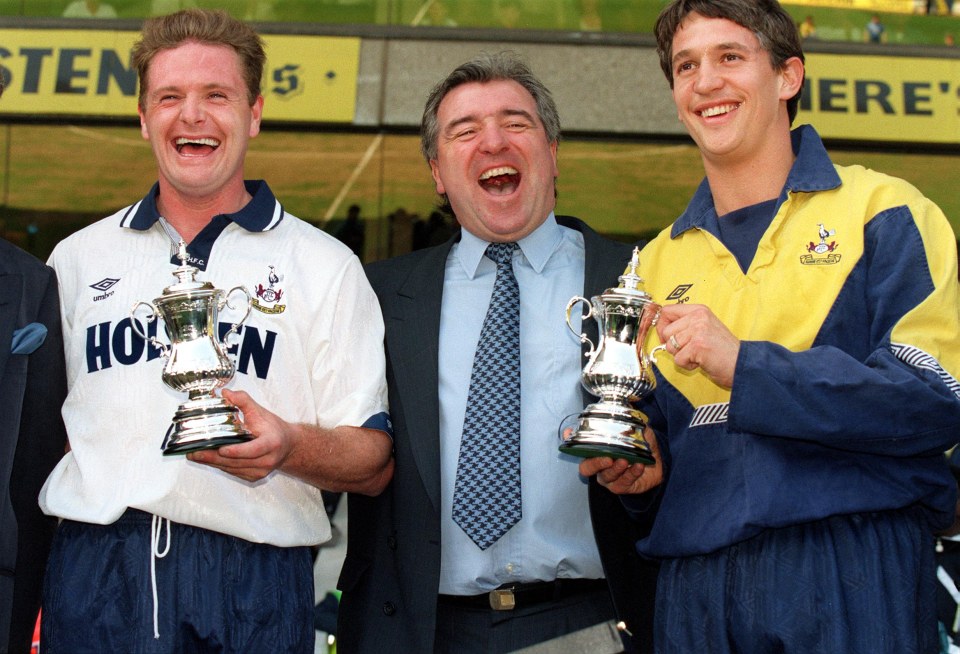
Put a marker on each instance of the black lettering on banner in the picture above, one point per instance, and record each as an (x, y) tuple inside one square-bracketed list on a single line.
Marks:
[(33, 66), (287, 79), (111, 68), (912, 97), (79, 71), (873, 91), (832, 95), (5, 73), (828, 95), (67, 71)]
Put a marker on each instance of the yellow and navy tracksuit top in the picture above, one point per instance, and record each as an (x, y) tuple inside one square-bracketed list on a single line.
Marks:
[(845, 392)]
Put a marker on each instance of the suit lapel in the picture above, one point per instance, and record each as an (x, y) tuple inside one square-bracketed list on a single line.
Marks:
[(11, 289), (415, 361), (605, 262)]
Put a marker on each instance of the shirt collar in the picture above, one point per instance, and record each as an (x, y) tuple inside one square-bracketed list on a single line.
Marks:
[(259, 215), (812, 170), (537, 246)]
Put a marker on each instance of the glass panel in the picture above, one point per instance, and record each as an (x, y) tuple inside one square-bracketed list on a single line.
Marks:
[(57, 178)]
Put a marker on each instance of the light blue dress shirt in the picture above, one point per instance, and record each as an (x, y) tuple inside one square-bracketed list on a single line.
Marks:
[(554, 539)]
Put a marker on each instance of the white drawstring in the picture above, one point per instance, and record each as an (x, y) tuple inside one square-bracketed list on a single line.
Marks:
[(156, 525)]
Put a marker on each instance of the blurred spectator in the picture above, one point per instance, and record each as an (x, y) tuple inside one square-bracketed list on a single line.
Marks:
[(808, 30), (933, 7), (876, 32), (89, 9), (948, 39), (401, 226), (508, 13), (438, 14), (590, 20), (164, 7), (259, 10), (351, 232), (434, 231)]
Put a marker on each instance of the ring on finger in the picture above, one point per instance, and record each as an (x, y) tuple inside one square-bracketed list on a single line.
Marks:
[(674, 343)]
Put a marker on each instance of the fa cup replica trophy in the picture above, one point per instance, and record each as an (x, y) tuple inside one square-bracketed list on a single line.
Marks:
[(196, 361), (618, 371)]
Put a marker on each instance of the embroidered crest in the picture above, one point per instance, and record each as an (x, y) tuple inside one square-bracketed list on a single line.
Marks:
[(821, 253), (268, 297)]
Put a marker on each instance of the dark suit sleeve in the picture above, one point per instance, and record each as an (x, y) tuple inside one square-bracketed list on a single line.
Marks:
[(391, 571), (39, 448)]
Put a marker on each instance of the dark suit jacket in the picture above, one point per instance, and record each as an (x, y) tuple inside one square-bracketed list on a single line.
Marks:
[(32, 438), (391, 573)]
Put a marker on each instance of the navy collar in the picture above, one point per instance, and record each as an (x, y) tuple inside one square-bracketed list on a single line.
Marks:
[(812, 171), (261, 214)]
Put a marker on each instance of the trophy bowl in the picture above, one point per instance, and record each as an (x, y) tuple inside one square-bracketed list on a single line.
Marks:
[(196, 360), (618, 372)]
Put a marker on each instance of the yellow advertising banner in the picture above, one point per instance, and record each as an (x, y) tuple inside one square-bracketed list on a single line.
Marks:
[(888, 6), (88, 73), (886, 99)]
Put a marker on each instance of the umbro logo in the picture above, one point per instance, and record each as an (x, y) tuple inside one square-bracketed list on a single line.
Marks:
[(676, 295), (104, 285)]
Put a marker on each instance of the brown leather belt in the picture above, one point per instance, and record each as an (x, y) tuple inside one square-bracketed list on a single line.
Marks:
[(511, 596)]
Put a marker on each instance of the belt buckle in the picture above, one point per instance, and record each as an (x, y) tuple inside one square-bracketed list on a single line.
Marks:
[(502, 599)]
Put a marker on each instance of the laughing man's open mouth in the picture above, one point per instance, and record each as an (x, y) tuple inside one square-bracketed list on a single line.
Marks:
[(196, 146), (500, 181)]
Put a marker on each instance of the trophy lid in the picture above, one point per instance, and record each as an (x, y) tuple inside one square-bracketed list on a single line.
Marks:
[(629, 291), (186, 275)]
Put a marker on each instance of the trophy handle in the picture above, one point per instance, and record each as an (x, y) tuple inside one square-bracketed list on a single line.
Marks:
[(653, 353), (652, 357), (235, 327), (583, 337), (135, 326)]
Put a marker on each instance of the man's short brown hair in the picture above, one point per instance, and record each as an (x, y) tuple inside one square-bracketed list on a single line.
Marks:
[(200, 26)]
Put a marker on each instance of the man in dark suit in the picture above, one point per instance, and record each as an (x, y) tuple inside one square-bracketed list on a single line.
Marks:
[(32, 436), (414, 578)]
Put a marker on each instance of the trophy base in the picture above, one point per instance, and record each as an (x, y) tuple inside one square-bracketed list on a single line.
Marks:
[(607, 429), (205, 424)]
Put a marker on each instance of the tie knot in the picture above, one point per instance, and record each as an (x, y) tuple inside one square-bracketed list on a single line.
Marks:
[(501, 252)]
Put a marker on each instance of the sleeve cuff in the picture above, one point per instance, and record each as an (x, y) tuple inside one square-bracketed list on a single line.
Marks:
[(380, 422)]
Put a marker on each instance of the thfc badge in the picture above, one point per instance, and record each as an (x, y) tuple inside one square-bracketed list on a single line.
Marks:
[(269, 296), (820, 253)]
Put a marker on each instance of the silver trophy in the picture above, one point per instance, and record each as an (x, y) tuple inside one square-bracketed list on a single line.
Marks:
[(197, 363), (618, 371)]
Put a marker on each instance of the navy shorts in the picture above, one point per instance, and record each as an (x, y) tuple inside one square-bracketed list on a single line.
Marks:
[(214, 593), (863, 583)]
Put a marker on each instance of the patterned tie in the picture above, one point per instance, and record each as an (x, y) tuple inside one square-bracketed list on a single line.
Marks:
[(486, 496)]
